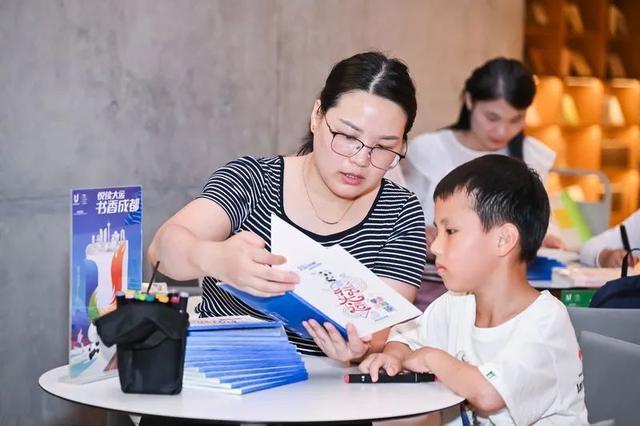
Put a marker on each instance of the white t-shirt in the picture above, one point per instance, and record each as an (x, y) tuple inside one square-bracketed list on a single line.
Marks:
[(611, 239), (533, 360), (431, 156)]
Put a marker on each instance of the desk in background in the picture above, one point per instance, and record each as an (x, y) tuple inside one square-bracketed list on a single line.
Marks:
[(322, 398)]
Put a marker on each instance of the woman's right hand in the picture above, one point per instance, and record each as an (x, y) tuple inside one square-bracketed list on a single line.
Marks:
[(612, 258), (242, 261)]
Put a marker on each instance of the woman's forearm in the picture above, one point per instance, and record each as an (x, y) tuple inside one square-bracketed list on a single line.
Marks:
[(179, 252)]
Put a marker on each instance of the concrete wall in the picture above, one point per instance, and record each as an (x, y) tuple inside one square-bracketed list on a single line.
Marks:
[(160, 93)]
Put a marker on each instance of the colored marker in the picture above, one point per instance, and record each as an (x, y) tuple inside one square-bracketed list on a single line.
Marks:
[(120, 298), (407, 377), (182, 306)]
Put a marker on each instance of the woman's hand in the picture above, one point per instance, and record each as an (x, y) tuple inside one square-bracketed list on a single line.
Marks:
[(612, 258), (242, 261), (329, 339), (372, 364), (553, 241)]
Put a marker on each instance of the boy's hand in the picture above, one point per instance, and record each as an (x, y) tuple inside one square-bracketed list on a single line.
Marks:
[(418, 361), (374, 362)]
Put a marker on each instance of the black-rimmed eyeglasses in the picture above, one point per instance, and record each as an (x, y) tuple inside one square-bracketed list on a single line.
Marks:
[(348, 146)]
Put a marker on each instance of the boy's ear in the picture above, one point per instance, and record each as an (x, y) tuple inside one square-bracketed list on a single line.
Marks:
[(507, 239)]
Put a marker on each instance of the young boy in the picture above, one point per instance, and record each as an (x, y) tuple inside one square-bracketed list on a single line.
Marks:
[(493, 339)]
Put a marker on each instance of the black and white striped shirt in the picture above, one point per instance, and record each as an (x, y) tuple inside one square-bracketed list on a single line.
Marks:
[(390, 240)]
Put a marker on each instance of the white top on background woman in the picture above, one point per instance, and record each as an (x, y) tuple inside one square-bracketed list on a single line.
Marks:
[(606, 249), (433, 155)]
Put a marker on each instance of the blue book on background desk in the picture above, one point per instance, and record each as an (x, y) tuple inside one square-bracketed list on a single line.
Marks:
[(290, 309), (541, 267)]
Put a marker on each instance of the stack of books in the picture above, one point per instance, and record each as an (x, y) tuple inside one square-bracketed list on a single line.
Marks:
[(239, 355)]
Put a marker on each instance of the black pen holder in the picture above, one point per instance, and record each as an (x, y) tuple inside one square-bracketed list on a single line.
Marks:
[(151, 340)]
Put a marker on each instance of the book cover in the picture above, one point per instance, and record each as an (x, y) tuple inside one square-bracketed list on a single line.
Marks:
[(233, 365), (231, 323), (289, 308), (246, 375), (214, 371), (334, 287), (245, 388), (228, 358), (106, 257)]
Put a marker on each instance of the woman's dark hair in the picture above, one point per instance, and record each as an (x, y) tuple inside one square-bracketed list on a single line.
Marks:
[(499, 78), (374, 73)]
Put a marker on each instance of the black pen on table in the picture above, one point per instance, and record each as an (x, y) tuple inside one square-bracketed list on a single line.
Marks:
[(625, 238), (385, 378)]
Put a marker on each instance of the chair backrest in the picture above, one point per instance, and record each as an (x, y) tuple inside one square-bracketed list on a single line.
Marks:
[(611, 378), (623, 324)]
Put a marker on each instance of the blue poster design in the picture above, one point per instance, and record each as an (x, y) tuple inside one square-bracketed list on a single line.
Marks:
[(106, 257)]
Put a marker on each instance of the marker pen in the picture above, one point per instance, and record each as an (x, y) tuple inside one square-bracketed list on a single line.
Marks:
[(407, 377), (182, 306), (120, 298)]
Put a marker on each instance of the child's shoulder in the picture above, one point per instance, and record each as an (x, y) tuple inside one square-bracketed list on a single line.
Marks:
[(452, 303), (547, 316)]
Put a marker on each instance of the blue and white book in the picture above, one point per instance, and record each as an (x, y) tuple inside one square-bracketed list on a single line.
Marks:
[(229, 358), (246, 381), (240, 355), (106, 257), (245, 375), (201, 359), (245, 388), (214, 368), (236, 324), (334, 287), (289, 308), (215, 371)]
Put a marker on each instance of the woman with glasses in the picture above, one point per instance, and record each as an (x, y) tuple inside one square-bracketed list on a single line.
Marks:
[(333, 191)]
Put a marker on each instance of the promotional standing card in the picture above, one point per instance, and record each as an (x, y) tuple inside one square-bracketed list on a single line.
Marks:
[(106, 257)]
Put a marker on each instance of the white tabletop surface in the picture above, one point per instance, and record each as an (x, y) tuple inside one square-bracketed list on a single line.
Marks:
[(324, 397)]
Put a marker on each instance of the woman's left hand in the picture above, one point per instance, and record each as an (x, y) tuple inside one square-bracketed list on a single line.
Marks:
[(554, 242), (329, 339)]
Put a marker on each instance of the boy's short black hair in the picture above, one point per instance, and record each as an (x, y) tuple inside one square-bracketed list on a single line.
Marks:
[(503, 190)]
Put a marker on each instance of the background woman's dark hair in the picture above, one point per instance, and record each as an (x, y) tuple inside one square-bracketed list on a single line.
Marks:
[(499, 78), (373, 73)]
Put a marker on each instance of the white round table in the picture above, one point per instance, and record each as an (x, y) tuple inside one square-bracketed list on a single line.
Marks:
[(323, 398)]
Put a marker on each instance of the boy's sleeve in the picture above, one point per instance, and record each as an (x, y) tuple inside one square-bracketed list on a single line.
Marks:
[(236, 187), (429, 329), (531, 373), (404, 255)]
